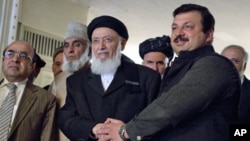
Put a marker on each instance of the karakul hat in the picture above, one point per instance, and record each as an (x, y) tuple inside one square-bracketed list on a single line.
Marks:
[(158, 44), (110, 22)]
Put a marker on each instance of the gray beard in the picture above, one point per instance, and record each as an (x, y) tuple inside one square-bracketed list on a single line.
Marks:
[(72, 66), (107, 66)]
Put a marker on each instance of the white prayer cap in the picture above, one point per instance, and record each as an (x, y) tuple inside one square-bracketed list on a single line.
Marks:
[(76, 29)]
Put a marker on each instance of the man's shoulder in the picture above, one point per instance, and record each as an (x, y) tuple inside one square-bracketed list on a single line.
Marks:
[(140, 68), (214, 58), (39, 91), (246, 82)]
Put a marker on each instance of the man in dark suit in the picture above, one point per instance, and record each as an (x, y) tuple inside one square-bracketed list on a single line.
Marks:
[(239, 57), (114, 86), (199, 94), (33, 114)]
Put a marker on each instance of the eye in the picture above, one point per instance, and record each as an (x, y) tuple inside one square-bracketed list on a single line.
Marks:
[(65, 45), (188, 27), (23, 55), (108, 39), (77, 44), (174, 27), (235, 61), (95, 41), (9, 54), (150, 62), (160, 63)]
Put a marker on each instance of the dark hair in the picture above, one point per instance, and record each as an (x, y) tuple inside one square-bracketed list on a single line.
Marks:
[(57, 51), (40, 63), (208, 21)]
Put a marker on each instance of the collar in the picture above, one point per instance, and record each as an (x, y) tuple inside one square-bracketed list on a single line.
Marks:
[(5, 81), (186, 55)]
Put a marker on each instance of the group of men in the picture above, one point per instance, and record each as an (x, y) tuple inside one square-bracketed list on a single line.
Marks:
[(110, 98)]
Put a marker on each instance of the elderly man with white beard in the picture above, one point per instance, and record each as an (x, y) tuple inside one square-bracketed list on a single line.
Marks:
[(114, 86), (76, 51)]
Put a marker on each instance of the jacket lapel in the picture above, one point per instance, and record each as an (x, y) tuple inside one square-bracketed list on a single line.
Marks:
[(95, 83), (117, 82), (27, 101)]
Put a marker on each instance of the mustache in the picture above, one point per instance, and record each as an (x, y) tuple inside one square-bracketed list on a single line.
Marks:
[(181, 38), (14, 64), (102, 51)]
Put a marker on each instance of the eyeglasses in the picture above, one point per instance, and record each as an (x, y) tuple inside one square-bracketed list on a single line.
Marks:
[(22, 55)]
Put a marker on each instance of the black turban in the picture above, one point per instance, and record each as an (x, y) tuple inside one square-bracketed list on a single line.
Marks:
[(40, 63), (158, 44), (110, 22)]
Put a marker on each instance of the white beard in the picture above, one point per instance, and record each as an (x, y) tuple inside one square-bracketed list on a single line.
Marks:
[(72, 66), (107, 66)]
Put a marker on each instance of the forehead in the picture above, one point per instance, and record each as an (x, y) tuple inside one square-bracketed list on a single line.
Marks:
[(233, 51), (104, 31), (191, 16), (20, 47), (155, 56), (72, 39), (59, 55)]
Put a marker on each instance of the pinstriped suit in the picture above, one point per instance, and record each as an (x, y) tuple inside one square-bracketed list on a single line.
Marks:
[(35, 117)]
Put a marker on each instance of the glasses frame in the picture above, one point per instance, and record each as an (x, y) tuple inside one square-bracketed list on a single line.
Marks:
[(21, 55)]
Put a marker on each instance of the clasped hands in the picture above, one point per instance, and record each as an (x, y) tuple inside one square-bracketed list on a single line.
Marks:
[(109, 130)]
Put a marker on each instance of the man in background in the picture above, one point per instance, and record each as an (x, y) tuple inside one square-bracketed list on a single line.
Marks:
[(156, 53), (239, 58), (57, 63), (76, 51), (39, 64)]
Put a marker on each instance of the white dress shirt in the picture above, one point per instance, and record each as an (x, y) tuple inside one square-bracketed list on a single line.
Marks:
[(107, 79), (19, 93)]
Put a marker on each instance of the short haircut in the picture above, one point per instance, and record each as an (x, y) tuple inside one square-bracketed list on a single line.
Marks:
[(57, 51), (245, 54), (208, 20)]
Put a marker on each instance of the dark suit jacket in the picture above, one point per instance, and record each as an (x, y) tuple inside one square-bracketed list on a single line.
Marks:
[(199, 100), (244, 105), (35, 117), (87, 104)]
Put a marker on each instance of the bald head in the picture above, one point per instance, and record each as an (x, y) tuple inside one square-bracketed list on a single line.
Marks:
[(18, 61), (238, 56)]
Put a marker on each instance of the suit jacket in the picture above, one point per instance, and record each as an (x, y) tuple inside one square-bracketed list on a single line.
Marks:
[(198, 100), (244, 104), (35, 116), (87, 104)]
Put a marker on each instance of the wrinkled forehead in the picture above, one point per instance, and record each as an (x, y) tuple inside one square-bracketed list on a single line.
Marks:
[(72, 39)]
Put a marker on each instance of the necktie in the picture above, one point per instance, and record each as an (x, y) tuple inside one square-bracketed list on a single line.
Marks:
[(6, 111)]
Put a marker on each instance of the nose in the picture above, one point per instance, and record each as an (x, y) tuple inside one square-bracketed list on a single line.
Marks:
[(15, 57), (179, 32), (102, 45), (70, 48)]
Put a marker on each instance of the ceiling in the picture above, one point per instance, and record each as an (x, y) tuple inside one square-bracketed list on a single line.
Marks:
[(150, 18)]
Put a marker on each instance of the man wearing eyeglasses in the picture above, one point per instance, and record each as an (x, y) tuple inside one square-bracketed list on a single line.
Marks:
[(32, 113)]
